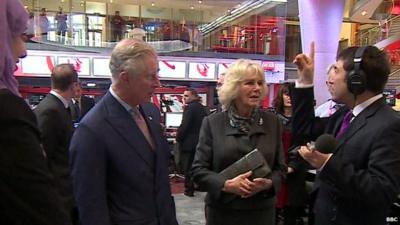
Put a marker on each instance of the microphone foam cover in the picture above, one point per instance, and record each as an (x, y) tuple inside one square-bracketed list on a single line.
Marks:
[(326, 143)]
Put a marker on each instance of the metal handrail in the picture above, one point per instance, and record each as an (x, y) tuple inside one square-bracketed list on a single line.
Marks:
[(394, 72), (378, 27), (373, 35)]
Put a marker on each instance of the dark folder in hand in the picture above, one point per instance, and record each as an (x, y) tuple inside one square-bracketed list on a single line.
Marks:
[(253, 161)]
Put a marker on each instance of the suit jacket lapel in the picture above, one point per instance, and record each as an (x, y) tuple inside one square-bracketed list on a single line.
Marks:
[(360, 121), (125, 125)]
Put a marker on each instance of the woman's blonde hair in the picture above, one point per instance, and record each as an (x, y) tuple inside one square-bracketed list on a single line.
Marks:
[(237, 73)]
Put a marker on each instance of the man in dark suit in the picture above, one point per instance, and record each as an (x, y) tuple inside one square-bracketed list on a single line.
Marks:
[(80, 105), (360, 178), (56, 129), (188, 134), (119, 157)]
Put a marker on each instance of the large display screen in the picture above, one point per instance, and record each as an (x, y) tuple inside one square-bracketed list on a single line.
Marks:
[(274, 71), (172, 69), (101, 67), (38, 64), (81, 64), (202, 70), (390, 96), (173, 119)]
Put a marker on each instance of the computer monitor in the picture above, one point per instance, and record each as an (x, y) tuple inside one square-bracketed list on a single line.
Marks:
[(173, 119)]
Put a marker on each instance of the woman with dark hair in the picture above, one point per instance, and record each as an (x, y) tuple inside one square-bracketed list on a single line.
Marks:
[(26, 187), (283, 110), (292, 196)]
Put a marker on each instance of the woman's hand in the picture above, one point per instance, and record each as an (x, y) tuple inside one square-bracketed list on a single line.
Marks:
[(239, 185), (257, 185), (242, 186)]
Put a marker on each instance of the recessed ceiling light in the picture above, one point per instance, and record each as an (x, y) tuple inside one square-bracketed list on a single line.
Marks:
[(200, 1), (363, 13), (153, 4), (191, 7)]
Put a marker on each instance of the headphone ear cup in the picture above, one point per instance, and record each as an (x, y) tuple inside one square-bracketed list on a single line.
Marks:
[(356, 82)]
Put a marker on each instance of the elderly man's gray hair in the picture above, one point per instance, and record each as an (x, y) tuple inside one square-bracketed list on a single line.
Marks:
[(128, 56)]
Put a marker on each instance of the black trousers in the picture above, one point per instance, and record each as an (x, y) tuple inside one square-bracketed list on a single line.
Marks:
[(186, 160)]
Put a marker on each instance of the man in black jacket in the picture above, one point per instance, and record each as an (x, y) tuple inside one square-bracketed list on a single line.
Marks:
[(55, 124), (188, 134), (80, 105)]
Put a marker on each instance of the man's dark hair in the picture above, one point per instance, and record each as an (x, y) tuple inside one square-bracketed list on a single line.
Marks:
[(193, 92), (63, 76), (374, 63)]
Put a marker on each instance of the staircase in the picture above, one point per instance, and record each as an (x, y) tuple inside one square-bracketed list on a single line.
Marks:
[(394, 79), (394, 26)]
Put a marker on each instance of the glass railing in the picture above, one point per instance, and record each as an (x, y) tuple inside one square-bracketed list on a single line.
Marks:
[(252, 27)]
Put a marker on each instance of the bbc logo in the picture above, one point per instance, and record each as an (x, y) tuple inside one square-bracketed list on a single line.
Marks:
[(392, 220)]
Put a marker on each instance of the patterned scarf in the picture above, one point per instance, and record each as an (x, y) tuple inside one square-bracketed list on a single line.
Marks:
[(239, 122)]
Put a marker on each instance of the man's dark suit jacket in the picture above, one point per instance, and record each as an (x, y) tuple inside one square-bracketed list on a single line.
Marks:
[(28, 194), (188, 131), (56, 129), (86, 103), (152, 111), (118, 179), (362, 179)]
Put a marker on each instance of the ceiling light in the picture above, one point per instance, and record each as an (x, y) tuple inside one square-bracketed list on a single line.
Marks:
[(153, 4), (200, 1), (191, 7), (111, 1), (364, 13)]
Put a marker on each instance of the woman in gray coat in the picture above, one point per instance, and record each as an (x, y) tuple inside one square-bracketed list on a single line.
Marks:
[(226, 137)]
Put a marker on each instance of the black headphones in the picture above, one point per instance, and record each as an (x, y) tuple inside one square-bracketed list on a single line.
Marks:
[(356, 80)]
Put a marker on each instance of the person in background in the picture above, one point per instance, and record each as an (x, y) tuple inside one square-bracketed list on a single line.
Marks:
[(30, 27), (328, 108), (119, 157), (56, 127), (359, 179), (188, 134), (80, 105), (43, 23), (117, 27), (292, 198), (27, 190), (62, 27), (227, 136)]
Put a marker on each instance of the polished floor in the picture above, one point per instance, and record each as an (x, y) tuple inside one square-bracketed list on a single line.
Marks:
[(190, 210)]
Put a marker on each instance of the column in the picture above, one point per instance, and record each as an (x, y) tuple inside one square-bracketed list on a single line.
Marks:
[(321, 22)]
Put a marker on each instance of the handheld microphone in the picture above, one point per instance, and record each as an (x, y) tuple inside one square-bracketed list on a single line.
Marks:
[(326, 143)]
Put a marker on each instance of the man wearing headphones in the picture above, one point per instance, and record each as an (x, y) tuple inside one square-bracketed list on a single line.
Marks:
[(359, 179)]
